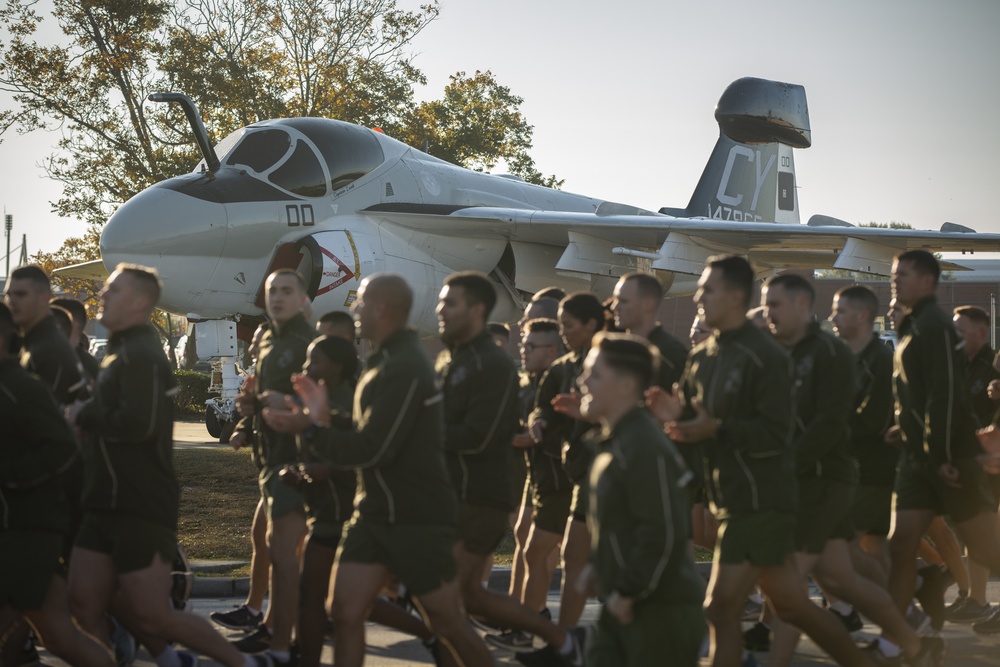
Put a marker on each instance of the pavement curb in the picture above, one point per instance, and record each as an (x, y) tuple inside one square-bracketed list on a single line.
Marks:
[(226, 587)]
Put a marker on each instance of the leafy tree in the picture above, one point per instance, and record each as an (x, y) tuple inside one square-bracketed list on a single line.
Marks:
[(241, 61)]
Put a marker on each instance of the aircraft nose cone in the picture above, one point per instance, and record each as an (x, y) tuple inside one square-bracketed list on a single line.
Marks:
[(180, 236)]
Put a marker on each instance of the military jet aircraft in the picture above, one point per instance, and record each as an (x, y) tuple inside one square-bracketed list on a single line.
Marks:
[(339, 202)]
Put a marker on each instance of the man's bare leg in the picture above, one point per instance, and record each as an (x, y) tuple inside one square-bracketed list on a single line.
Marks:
[(538, 552), (317, 564), (950, 551), (147, 595), (61, 636), (728, 588), (982, 537), (503, 610), (92, 583), (908, 528), (444, 614), (522, 527), (283, 536), (260, 559), (355, 588), (576, 553)]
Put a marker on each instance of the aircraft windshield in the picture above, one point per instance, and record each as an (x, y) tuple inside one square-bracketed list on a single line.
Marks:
[(349, 151)]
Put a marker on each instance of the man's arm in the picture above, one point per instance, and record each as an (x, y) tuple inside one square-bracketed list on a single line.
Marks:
[(490, 410), (833, 384), (134, 415), (940, 377), (768, 431), (42, 436)]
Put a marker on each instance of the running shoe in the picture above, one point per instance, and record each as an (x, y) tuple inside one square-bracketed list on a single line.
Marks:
[(969, 611), (851, 621), (258, 642), (187, 659), (919, 621), (751, 610), (931, 594), (515, 641), (240, 618), (990, 626)]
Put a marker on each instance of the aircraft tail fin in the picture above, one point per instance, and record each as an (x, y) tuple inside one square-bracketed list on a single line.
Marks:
[(751, 173)]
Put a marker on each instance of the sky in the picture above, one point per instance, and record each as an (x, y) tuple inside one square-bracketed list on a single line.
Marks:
[(903, 98)]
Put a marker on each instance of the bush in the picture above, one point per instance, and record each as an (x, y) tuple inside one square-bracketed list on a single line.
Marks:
[(190, 400)]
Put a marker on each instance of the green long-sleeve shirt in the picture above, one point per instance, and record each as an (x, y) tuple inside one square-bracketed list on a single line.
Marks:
[(544, 459), (46, 352), (980, 372), (479, 382), (36, 447), (744, 379), (931, 389), (128, 426), (824, 393), (397, 439), (562, 431), (639, 516), (872, 415)]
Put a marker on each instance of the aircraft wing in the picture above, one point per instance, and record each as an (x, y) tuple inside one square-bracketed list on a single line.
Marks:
[(93, 270), (598, 243)]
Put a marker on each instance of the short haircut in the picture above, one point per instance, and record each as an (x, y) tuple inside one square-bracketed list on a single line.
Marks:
[(337, 318), (498, 329), (7, 328), (33, 273), (861, 297), (541, 325), (548, 307), (629, 354), (923, 262), (341, 352), (63, 318), (649, 285), (974, 313), (290, 272), (736, 273), (145, 279), (478, 289), (75, 308), (556, 293), (585, 307), (794, 283)]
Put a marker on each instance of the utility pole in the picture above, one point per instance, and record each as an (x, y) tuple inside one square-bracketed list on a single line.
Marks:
[(23, 261), (8, 225)]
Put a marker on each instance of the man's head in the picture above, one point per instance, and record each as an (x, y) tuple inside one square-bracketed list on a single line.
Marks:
[(501, 334), (64, 320), (539, 308), (465, 302), (27, 295), (636, 301), (972, 324), (79, 313), (915, 275), (618, 370), (854, 311), (724, 291), (541, 346), (581, 315), (285, 295), (332, 360), (129, 297), (382, 306), (337, 323), (555, 293), (788, 302)]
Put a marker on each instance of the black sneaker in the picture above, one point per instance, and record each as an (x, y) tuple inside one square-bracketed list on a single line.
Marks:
[(29, 655), (434, 647), (486, 626), (293, 658), (240, 618), (578, 653), (187, 659), (968, 611), (543, 657), (757, 638), (851, 621), (514, 641), (990, 626), (262, 660), (931, 594), (258, 642)]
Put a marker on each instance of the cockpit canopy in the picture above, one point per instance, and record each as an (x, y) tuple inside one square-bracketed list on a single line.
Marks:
[(308, 157)]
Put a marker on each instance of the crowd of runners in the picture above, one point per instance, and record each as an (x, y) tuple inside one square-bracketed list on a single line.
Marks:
[(789, 451)]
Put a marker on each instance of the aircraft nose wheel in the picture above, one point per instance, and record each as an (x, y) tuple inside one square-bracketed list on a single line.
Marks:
[(212, 422)]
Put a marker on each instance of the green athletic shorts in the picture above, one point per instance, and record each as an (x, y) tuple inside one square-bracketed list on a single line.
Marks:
[(131, 541), (763, 539), (481, 528), (419, 555), (918, 487), (659, 634), (872, 511), (30, 559), (281, 498), (550, 509), (824, 514)]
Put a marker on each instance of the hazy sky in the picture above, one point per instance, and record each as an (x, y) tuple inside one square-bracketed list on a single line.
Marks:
[(903, 98)]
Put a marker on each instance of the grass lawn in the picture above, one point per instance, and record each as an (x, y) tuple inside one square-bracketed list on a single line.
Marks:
[(218, 496)]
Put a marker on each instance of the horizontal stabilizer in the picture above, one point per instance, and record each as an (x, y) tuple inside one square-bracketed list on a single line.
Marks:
[(93, 270)]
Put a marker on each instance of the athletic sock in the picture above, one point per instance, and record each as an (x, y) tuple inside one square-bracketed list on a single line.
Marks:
[(841, 607), (168, 658), (567, 646), (888, 649), (253, 611)]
